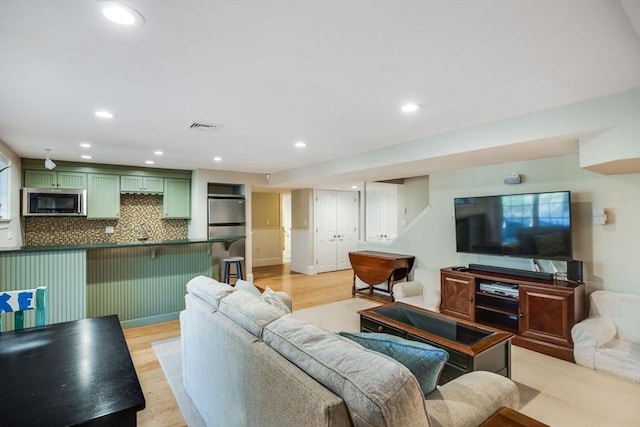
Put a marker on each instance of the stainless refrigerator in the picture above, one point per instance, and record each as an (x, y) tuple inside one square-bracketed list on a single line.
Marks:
[(226, 216)]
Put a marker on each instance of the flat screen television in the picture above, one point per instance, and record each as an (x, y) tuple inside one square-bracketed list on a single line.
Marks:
[(531, 225)]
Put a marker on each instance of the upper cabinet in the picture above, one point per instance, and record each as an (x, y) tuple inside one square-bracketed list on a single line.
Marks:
[(141, 184), (103, 196), (55, 179), (176, 202)]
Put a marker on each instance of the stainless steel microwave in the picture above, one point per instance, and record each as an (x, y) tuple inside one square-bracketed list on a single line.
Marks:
[(53, 202)]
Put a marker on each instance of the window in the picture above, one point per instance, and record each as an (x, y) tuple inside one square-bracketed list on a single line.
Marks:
[(4, 187)]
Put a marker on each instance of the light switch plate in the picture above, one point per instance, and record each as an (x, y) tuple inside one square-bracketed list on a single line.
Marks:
[(109, 229)]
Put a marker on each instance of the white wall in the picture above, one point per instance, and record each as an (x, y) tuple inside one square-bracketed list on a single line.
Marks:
[(611, 252), (11, 231), (198, 227)]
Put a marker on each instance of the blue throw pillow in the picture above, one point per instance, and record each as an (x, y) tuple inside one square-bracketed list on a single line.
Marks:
[(423, 360)]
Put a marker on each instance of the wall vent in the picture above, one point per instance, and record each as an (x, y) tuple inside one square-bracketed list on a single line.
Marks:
[(203, 127)]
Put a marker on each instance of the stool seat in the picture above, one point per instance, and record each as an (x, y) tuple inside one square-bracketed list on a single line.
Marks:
[(237, 262)]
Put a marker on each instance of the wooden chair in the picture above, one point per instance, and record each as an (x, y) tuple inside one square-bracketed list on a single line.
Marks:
[(18, 302)]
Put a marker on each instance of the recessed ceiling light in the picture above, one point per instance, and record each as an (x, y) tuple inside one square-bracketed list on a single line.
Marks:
[(158, 153), (85, 145), (410, 108), (300, 144), (105, 114), (354, 187), (120, 14), (217, 159), (85, 156), (149, 162)]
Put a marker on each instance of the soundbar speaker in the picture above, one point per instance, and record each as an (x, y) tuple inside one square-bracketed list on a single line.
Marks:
[(574, 271)]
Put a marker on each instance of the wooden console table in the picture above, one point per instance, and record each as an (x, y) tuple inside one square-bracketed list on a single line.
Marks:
[(379, 270), (541, 313)]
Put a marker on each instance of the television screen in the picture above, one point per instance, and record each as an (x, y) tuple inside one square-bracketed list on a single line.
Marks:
[(533, 225)]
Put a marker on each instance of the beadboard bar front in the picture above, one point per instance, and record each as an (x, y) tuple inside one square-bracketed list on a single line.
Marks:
[(143, 284), (64, 273)]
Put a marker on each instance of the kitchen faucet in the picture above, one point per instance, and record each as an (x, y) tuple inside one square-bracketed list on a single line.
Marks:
[(143, 232)]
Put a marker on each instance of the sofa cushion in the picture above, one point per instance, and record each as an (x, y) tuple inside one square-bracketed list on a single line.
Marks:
[(377, 390), (247, 286), (249, 311), (618, 357), (270, 296), (423, 360), (208, 289)]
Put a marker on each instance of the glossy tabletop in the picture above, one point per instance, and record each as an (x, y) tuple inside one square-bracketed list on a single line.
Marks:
[(73, 373)]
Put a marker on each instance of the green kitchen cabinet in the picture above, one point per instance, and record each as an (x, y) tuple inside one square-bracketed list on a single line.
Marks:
[(103, 196), (141, 184), (56, 179), (176, 203)]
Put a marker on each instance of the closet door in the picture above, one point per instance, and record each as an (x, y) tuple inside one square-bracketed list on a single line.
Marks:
[(346, 227), (382, 211), (326, 230)]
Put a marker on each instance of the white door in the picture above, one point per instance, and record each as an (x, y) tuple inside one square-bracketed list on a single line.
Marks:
[(286, 227), (347, 227), (326, 233), (336, 224), (382, 211)]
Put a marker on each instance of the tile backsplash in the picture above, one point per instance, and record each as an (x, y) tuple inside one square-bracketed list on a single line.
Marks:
[(138, 212)]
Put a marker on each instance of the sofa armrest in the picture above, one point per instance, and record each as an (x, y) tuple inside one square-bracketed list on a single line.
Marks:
[(470, 399), (407, 289), (593, 332)]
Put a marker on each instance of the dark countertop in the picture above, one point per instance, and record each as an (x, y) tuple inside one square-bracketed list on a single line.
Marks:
[(107, 245)]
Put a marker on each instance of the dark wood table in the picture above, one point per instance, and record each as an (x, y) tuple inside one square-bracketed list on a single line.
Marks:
[(73, 373), (379, 270), (471, 347)]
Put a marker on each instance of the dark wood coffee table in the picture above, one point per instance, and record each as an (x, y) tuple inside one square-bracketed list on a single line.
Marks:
[(471, 347), (73, 373)]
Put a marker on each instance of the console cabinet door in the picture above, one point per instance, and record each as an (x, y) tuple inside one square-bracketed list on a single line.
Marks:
[(545, 314), (457, 293)]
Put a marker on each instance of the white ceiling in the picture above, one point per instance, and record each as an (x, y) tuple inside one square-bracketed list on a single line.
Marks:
[(332, 73)]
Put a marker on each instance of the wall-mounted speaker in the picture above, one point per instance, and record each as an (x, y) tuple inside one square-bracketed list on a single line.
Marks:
[(574, 271), (514, 178)]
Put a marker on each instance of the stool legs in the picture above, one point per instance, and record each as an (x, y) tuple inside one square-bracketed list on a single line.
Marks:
[(228, 274)]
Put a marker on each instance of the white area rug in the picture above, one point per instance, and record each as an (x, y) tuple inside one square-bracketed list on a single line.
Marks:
[(169, 356), (336, 316)]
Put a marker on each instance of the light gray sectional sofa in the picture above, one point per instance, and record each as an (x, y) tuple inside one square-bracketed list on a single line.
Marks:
[(247, 363)]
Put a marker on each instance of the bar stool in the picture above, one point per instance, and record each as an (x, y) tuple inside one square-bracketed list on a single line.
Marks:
[(237, 261)]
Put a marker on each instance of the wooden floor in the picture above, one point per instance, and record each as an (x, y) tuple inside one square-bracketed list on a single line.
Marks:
[(305, 291)]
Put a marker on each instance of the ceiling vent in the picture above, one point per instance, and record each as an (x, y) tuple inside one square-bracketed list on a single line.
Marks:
[(203, 127)]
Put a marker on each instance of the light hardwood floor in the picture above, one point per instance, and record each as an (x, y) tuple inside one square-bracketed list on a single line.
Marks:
[(305, 291)]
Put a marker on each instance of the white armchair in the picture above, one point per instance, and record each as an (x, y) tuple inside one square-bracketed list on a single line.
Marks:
[(423, 291), (609, 339)]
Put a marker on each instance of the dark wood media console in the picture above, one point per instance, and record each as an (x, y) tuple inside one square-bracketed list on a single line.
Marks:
[(541, 315)]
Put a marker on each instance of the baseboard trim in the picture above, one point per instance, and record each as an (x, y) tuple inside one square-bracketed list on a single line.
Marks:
[(149, 320), (265, 262), (308, 270)]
